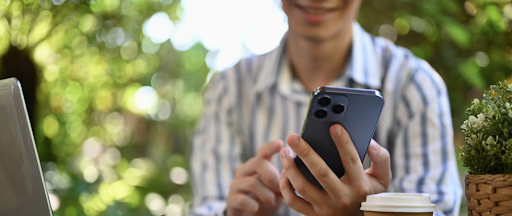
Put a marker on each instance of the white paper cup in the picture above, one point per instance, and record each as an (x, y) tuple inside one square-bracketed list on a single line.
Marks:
[(398, 204)]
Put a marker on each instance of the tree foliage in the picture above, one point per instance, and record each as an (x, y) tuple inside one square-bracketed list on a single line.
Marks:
[(468, 42), (115, 110)]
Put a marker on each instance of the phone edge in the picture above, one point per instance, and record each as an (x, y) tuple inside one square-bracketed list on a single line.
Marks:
[(369, 92)]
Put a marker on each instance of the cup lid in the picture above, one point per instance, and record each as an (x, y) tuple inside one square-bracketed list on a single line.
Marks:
[(398, 202)]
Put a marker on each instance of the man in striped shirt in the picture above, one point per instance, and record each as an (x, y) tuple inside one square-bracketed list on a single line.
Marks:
[(263, 99)]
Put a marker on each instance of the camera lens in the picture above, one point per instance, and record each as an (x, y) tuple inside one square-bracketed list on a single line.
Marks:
[(324, 101), (321, 113), (338, 108)]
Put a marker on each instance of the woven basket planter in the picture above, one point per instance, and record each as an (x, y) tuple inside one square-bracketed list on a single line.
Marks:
[(489, 195)]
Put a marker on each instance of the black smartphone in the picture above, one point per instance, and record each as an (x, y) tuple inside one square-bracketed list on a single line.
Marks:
[(357, 110)]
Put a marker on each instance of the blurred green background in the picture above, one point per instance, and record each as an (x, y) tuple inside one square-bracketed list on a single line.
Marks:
[(113, 104)]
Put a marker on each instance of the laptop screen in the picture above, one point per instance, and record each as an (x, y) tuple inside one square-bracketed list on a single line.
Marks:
[(22, 189)]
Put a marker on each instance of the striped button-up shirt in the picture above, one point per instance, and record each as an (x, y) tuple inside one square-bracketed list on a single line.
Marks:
[(259, 100)]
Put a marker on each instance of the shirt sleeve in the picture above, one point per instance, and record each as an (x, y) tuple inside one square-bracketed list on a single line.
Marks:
[(423, 159), (215, 149)]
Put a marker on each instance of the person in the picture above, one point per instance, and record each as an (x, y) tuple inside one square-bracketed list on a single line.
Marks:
[(250, 109)]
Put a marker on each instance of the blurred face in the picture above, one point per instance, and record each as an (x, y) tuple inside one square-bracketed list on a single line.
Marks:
[(320, 19)]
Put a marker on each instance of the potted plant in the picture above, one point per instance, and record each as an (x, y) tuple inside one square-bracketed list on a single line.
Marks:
[(488, 153)]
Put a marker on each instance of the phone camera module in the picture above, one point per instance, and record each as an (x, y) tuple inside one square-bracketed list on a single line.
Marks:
[(324, 101), (338, 108), (321, 113)]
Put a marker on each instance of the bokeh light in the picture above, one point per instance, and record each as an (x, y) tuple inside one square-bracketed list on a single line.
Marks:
[(112, 155), (145, 98), (159, 27), (389, 32), (51, 126), (155, 203), (54, 201), (178, 175), (91, 174), (92, 147)]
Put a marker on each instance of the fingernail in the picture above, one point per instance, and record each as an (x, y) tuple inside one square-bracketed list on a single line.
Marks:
[(289, 153), (282, 173), (336, 132), (294, 141), (286, 153)]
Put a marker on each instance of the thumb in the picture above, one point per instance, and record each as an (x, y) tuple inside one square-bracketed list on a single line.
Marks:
[(381, 165), (270, 149)]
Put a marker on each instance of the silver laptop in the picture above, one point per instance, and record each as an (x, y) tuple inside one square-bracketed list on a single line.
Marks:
[(22, 188)]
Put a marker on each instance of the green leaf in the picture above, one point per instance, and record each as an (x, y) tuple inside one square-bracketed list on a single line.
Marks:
[(470, 72), (459, 34)]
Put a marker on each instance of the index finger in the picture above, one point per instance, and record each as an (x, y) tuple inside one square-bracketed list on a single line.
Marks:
[(270, 149), (263, 168), (348, 154), (315, 164)]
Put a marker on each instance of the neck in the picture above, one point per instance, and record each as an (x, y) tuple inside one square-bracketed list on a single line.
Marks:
[(318, 62)]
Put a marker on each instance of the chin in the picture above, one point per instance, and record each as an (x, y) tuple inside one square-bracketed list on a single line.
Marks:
[(320, 33)]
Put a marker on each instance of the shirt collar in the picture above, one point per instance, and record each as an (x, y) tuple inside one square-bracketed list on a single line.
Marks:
[(362, 67)]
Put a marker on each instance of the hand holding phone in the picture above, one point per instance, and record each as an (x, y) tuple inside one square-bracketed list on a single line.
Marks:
[(357, 110), (340, 196), (328, 171)]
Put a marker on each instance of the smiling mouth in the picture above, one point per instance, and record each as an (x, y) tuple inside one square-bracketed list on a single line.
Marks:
[(314, 14), (317, 10)]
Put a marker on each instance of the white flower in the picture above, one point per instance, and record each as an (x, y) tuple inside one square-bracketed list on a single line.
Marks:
[(474, 137), (485, 145), (476, 101), (490, 140), (473, 119), (481, 118)]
